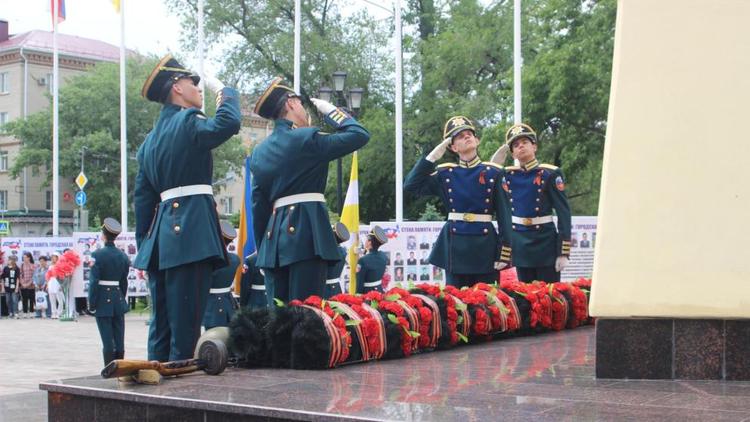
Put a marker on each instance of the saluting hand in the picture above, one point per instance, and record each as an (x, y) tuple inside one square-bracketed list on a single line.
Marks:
[(212, 83), (499, 156), (324, 107), (439, 150)]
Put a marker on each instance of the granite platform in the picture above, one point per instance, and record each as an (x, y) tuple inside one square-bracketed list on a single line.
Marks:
[(543, 377)]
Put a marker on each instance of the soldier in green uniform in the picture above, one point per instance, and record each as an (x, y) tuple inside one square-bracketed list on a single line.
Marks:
[(468, 247), (252, 284), (108, 286), (371, 267), (333, 282), (177, 227), (290, 168), (540, 251), (220, 305)]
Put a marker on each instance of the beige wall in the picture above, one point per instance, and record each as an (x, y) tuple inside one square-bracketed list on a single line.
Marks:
[(673, 215)]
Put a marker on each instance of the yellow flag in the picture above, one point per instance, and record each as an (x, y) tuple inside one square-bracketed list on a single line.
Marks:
[(116, 4), (350, 218)]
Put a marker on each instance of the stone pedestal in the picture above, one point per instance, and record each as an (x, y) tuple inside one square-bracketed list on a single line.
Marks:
[(671, 281)]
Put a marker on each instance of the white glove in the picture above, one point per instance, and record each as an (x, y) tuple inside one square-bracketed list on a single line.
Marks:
[(212, 83), (324, 107), (499, 156), (439, 150), (560, 263), (500, 265)]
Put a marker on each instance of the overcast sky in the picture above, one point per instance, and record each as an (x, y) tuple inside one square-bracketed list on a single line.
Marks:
[(148, 25)]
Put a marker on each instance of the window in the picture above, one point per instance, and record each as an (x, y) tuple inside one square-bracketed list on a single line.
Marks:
[(4, 200), (3, 160), (228, 205), (4, 82), (3, 118), (48, 200), (49, 82)]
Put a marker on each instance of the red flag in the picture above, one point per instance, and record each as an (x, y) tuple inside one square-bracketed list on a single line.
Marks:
[(60, 10)]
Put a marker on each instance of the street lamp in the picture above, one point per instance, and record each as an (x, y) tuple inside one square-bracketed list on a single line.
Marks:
[(351, 100)]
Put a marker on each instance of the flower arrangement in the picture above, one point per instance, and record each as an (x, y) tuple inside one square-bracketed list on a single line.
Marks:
[(338, 354), (577, 300), (399, 334), (371, 325), (448, 315)]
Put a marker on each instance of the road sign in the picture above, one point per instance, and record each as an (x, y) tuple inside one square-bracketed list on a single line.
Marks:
[(80, 198), (81, 181), (4, 227)]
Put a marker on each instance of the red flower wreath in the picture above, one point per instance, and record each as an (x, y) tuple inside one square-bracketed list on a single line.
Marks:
[(579, 304), (338, 322), (424, 313), (370, 325), (450, 307)]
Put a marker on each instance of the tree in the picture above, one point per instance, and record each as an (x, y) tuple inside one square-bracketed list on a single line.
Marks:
[(90, 122)]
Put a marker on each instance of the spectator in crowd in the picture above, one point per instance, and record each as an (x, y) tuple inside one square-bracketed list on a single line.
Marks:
[(54, 291), (26, 282), (11, 288), (40, 282)]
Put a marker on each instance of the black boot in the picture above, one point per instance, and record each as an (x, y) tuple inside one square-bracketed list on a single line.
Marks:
[(108, 357)]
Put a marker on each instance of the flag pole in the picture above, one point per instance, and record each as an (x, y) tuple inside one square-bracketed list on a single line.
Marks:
[(399, 117), (201, 52), (517, 62), (297, 44), (55, 127), (123, 126)]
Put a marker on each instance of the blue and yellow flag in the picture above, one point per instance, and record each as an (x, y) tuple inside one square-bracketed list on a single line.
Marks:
[(245, 236)]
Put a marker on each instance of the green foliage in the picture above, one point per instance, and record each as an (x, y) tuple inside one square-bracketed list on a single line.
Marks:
[(89, 116), (430, 213)]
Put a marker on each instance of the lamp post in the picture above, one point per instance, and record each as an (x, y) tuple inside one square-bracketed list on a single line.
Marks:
[(350, 99)]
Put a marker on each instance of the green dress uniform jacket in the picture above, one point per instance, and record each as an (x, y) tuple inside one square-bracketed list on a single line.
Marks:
[(535, 190), (110, 265), (295, 161), (472, 188), (333, 282), (252, 285), (220, 305), (177, 152), (370, 270)]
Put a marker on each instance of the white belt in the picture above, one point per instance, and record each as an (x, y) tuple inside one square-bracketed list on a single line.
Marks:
[(108, 283), (220, 290), (373, 283), (531, 221), (258, 286), (189, 190), (296, 199), (332, 281), (469, 217)]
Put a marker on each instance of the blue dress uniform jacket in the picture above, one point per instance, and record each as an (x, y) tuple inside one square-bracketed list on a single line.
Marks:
[(177, 152), (220, 306), (110, 264), (371, 268), (295, 161), (466, 247), (252, 285), (535, 190)]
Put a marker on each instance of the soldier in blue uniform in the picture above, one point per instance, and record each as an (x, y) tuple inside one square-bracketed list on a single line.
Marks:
[(371, 267), (108, 286), (290, 168), (177, 227), (252, 284), (468, 247), (220, 305), (540, 251), (333, 282)]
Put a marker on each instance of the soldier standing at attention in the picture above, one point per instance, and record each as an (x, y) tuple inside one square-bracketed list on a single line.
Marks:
[(177, 227), (333, 281), (468, 247), (220, 306), (290, 168), (540, 251), (252, 284), (108, 286), (371, 267)]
